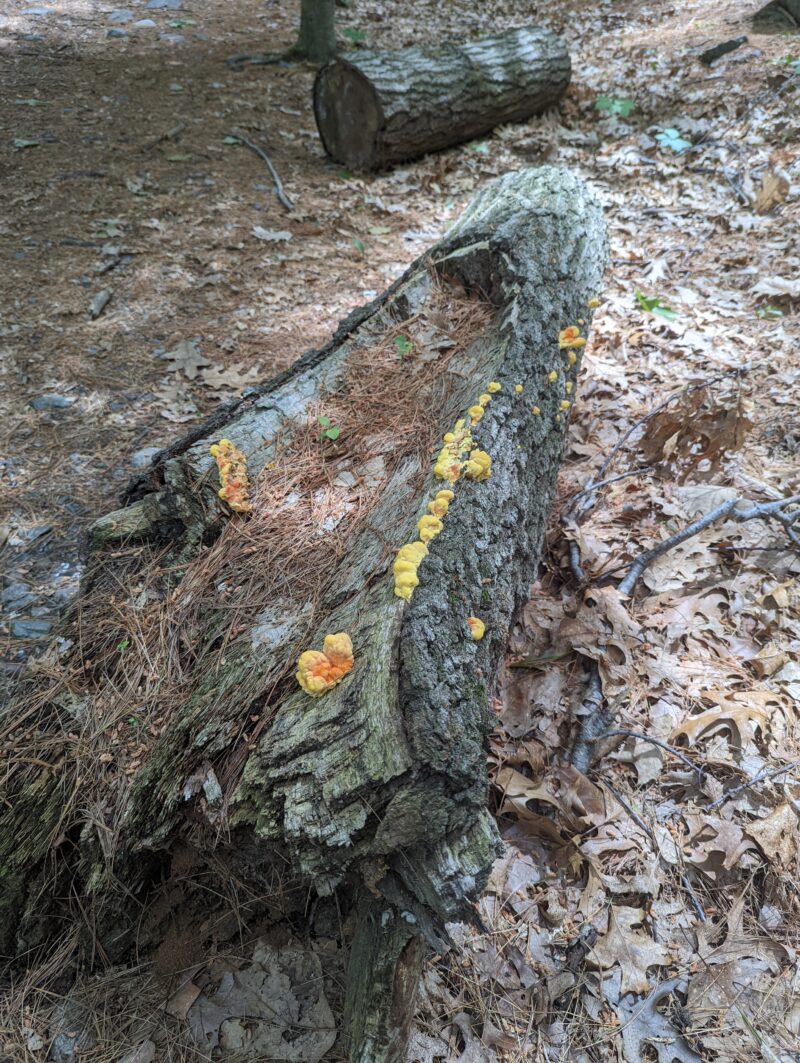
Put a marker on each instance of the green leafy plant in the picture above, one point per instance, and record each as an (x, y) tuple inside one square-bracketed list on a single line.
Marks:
[(482, 148), (359, 246), (653, 305), (615, 105), (355, 36), (328, 429), (671, 139), (403, 345), (122, 646), (768, 312)]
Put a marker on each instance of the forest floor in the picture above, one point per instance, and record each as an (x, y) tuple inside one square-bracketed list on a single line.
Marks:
[(650, 905)]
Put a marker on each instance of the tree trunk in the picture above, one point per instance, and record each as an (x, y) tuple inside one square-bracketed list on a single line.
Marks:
[(317, 38), (377, 108), (172, 733)]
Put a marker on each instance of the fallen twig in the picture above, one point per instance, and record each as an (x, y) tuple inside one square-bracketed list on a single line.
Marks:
[(624, 732), (762, 776), (283, 199), (764, 510)]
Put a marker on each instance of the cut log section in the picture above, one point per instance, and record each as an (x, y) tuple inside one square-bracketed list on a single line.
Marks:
[(378, 108), (167, 740)]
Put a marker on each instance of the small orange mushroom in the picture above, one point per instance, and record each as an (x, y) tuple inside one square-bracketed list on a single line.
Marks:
[(477, 627), (570, 337), (232, 465), (317, 672)]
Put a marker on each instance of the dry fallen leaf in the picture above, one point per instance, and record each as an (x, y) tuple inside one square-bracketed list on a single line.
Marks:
[(774, 189), (777, 834), (627, 944)]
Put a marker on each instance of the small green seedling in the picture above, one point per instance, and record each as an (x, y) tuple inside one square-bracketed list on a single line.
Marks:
[(653, 305), (123, 645), (355, 36), (615, 105), (359, 246), (671, 138), (328, 430), (769, 312), (403, 346)]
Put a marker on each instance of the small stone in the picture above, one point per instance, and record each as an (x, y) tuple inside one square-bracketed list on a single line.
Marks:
[(141, 459), (38, 11), (169, 5), (122, 14), (113, 34), (173, 38), (145, 24), (52, 401), (31, 629), (16, 596)]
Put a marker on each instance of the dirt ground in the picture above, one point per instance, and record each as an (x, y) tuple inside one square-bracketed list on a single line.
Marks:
[(150, 272)]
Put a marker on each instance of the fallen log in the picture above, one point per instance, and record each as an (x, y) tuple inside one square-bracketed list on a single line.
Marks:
[(377, 108), (165, 741)]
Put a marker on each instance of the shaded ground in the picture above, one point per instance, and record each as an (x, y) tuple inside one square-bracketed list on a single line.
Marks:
[(118, 179)]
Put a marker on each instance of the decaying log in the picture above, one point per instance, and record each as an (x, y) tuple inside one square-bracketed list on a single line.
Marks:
[(376, 108), (375, 793)]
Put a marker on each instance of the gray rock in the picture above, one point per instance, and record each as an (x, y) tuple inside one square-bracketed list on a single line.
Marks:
[(141, 459), (115, 33), (38, 11), (17, 595), (169, 5), (31, 629), (122, 14), (145, 24), (52, 401), (173, 38)]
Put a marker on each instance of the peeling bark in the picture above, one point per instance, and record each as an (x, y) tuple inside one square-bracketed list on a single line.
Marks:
[(378, 789), (376, 108)]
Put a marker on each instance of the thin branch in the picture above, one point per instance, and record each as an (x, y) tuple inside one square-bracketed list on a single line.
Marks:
[(283, 199), (761, 777), (777, 510), (700, 771)]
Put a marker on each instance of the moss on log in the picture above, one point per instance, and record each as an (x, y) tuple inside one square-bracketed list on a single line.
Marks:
[(378, 789)]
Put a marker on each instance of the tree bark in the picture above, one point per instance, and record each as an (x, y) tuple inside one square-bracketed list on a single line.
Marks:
[(377, 108), (317, 37), (375, 792)]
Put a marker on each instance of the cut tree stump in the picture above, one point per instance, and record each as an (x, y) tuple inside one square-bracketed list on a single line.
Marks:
[(377, 108), (167, 740)]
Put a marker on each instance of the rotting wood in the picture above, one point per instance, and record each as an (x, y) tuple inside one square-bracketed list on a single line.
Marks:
[(377, 108), (375, 792)]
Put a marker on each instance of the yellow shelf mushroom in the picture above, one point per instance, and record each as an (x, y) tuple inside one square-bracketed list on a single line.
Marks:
[(320, 671)]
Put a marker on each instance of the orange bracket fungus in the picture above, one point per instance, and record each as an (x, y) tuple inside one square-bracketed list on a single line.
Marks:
[(232, 465), (570, 337), (477, 627), (320, 671)]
